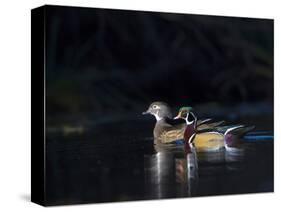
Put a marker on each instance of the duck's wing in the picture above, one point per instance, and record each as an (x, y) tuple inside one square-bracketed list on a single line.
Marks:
[(203, 121), (209, 125), (205, 129), (171, 130), (172, 135)]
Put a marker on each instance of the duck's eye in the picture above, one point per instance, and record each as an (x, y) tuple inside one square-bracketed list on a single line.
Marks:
[(155, 107)]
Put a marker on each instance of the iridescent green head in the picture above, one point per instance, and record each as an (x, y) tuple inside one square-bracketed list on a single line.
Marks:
[(183, 112)]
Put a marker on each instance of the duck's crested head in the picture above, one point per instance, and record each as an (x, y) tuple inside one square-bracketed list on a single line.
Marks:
[(183, 112), (159, 110)]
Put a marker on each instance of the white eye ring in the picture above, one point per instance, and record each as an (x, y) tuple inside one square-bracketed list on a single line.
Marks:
[(155, 107)]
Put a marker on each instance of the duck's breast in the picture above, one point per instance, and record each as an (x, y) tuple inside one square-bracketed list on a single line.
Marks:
[(189, 131)]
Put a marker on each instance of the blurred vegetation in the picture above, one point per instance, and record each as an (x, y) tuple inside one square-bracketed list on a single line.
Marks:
[(114, 61)]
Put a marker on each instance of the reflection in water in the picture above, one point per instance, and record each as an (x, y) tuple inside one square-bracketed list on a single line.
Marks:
[(81, 171), (158, 173), (192, 172), (169, 172), (170, 165), (174, 172)]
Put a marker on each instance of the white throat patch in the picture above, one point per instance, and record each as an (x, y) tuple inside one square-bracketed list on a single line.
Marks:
[(158, 118), (188, 122)]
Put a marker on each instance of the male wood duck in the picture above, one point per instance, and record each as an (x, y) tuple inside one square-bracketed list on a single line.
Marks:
[(227, 137), (167, 129)]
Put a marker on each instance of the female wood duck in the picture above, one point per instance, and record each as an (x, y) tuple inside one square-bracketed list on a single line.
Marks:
[(227, 137), (167, 129)]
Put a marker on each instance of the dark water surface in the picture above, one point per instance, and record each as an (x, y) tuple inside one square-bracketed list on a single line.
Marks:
[(116, 163)]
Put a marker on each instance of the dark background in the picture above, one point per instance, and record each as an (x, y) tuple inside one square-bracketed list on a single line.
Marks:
[(115, 62), (104, 67)]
